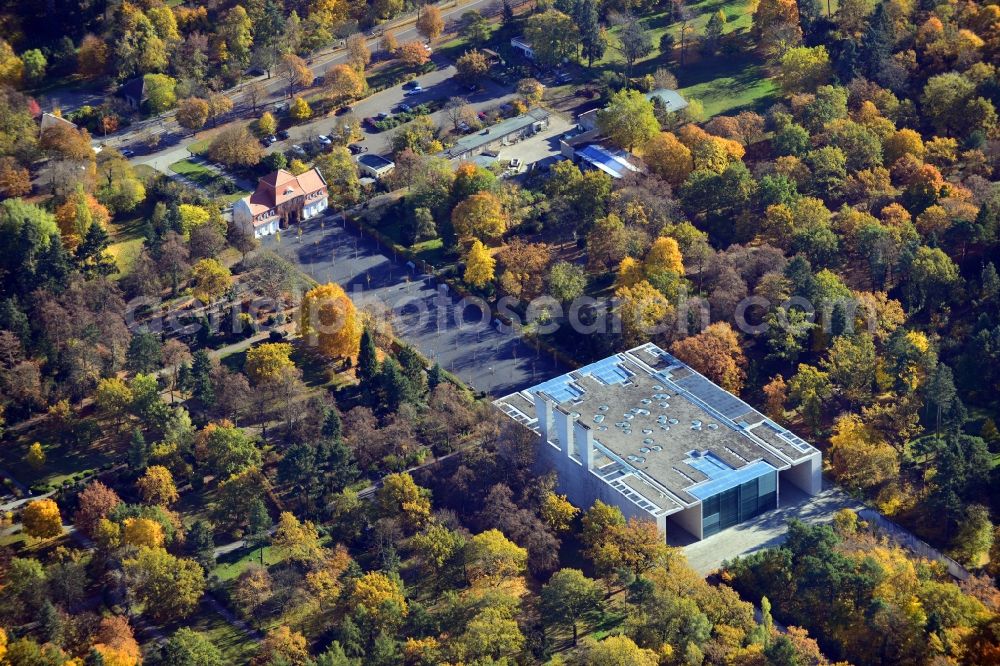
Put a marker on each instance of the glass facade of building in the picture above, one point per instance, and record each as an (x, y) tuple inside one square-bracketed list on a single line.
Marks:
[(739, 503)]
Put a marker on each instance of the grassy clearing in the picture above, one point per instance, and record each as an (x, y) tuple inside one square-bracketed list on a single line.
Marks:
[(62, 461), (431, 251), (125, 254), (723, 85), (195, 172), (232, 565), (236, 647), (199, 147)]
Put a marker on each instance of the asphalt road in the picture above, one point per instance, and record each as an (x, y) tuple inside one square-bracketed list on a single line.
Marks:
[(275, 87), (426, 316), (438, 84)]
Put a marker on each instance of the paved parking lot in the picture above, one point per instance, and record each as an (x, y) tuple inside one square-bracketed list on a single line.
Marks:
[(539, 147), (457, 337)]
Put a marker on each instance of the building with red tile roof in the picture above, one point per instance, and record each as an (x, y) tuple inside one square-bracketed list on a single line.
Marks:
[(280, 200)]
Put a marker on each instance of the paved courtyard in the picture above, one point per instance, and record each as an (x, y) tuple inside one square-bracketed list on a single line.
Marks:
[(459, 336), (539, 147), (764, 531)]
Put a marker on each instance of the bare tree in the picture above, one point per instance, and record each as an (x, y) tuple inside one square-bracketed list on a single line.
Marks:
[(255, 94), (458, 110)]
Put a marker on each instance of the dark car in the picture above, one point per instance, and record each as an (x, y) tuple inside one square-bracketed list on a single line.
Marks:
[(255, 71), (411, 84), (319, 80), (357, 148), (283, 134), (342, 110), (127, 153)]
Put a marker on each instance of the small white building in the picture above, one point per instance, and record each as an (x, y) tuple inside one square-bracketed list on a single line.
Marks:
[(523, 47), (375, 166), (281, 200)]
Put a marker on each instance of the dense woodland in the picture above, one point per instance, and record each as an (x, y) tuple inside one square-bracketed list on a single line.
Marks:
[(250, 490)]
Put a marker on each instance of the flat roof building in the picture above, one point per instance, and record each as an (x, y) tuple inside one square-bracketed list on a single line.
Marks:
[(644, 432), (375, 166), (503, 133)]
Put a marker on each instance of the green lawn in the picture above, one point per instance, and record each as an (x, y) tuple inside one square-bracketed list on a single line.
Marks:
[(199, 147), (193, 171), (205, 178), (232, 565), (236, 647), (431, 251), (62, 462), (723, 85)]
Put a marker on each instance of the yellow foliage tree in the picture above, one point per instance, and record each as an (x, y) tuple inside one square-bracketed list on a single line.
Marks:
[(491, 558), (903, 142), (618, 651), (343, 83), (211, 279), (300, 110), (668, 158), (400, 495), (479, 216), (329, 320), (35, 456), (557, 511), (281, 645), (629, 273), (643, 309), (76, 214), (297, 540), (297, 167), (380, 598), (41, 519), (480, 266), (157, 486), (139, 532), (858, 455), (664, 256), (266, 124), (267, 362)]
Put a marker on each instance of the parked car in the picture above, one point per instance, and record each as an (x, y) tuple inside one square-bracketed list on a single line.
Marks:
[(382, 115), (404, 107), (415, 90), (342, 110), (324, 140), (283, 134), (319, 80), (281, 107), (412, 83), (482, 115), (464, 127), (357, 148), (563, 77), (269, 140), (297, 149), (128, 153), (515, 164), (256, 71)]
